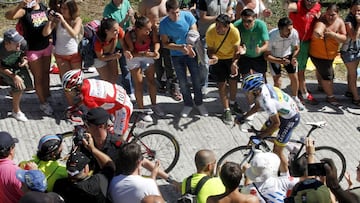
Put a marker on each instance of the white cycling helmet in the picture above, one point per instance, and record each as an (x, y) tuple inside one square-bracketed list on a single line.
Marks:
[(72, 79)]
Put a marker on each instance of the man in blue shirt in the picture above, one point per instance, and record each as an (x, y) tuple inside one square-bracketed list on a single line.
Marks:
[(173, 32)]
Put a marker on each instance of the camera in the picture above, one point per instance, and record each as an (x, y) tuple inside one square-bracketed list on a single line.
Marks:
[(52, 13), (79, 135), (316, 169)]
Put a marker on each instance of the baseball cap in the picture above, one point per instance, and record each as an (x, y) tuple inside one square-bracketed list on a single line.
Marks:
[(76, 163), (6, 140), (263, 166), (35, 180), (49, 143), (13, 35), (97, 116)]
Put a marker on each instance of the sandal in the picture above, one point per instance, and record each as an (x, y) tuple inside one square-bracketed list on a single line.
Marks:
[(332, 100), (356, 102)]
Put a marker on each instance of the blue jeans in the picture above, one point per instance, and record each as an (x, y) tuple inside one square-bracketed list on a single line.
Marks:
[(181, 63), (126, 81), (204, 64)]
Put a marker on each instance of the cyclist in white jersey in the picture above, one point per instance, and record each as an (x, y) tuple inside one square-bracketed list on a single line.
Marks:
[(281, 108)]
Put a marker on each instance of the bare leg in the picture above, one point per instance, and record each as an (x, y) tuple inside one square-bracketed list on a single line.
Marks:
[(137, 76), (41, 81), (150, 76), (283, 160), (352, 76), (222, 94), (233, 89), (277, 80), (294, 83), (16, 101)]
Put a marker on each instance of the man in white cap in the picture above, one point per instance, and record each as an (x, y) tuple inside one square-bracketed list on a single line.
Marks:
[(266, 184), (13, 69)]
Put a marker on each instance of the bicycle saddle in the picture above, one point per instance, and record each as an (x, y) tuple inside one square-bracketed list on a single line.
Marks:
[(319, 124)]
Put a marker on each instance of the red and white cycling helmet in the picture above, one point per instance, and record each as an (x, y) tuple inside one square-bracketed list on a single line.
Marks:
[(72, 79)]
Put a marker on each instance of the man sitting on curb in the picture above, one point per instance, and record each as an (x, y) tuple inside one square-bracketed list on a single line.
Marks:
[(13, 69)]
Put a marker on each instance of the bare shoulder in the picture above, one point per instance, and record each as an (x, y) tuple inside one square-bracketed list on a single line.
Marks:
[(248, 198)]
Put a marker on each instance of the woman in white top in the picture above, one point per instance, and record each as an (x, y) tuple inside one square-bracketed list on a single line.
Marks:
[(68, 26)]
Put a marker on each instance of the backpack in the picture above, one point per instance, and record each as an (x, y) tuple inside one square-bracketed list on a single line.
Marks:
[(86, 45), (190, 196)]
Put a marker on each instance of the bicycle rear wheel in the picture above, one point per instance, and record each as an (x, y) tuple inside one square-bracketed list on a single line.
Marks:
[(322, 152), (239, 155), (159, 145)]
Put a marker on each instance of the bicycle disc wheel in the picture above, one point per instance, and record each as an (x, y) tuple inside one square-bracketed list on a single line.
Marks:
[(239, 155), (322, 152), (159, 145)]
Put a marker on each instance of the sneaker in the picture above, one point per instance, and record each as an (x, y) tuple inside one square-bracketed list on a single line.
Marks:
[(132, 97), (204, 91), (235, 108), (311, 100), (299, 104), (157, 110), (46, 108), (146, 118), (226, 117), (20, 116), (186, 111), (203, 111)]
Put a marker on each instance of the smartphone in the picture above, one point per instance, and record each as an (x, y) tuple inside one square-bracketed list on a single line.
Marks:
[(31, 4), (316, 169)]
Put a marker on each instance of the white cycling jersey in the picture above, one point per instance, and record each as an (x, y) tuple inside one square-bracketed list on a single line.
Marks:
[(275, 101)]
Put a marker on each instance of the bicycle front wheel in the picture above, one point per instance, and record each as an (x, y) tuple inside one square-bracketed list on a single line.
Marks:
[(239, 155), (159, 145), (322, 152)]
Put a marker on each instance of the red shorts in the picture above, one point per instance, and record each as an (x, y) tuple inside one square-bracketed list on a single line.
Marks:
[(73, 58)]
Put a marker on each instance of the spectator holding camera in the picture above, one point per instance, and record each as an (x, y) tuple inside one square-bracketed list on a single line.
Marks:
[(96, 122), (33, 16), (13, 69), (81, 186), (348, 196), (309, 189), (47, 159), (68, 27)]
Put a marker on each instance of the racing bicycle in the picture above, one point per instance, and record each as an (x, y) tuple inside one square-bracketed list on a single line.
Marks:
[(244, 154), (155, 144)]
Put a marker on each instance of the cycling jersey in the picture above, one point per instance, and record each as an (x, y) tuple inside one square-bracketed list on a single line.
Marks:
[(275, 101), (111, 97), (273, 189)]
